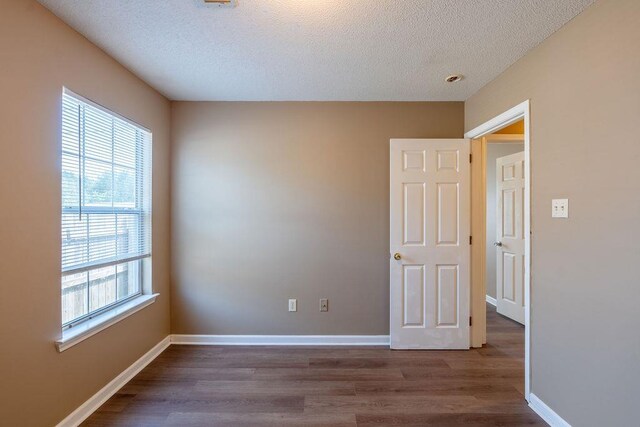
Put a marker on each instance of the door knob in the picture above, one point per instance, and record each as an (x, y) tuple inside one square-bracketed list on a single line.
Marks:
[(499, 244), (397, 256)]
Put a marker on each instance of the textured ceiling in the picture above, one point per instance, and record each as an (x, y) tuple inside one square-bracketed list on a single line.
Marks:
[(355, 50)]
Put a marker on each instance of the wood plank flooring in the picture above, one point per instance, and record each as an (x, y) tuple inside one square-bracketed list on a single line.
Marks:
[(337, 386)]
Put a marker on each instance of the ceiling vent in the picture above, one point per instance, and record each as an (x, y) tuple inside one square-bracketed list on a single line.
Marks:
[(220, 3)]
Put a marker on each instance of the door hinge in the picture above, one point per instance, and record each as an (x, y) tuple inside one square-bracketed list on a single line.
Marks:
[(471, 240), (470, 158), (470, 321)]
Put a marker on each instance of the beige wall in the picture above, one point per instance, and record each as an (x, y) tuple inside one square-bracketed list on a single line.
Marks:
[(38, 55), (585, 97), (495, 150), (287, 200)]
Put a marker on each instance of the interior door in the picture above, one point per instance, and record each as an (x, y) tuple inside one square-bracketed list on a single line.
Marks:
[(510, 236), (429, 242)]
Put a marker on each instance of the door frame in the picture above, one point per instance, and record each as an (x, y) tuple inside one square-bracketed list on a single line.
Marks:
[(478, 227)]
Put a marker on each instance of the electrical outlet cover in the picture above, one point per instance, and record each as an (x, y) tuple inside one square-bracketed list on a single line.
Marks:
[(560, 208)]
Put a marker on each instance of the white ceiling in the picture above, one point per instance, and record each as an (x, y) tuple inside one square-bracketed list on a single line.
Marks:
[(355, 50)]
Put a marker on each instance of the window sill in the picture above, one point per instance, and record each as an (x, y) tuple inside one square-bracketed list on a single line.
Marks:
[(81, 332)]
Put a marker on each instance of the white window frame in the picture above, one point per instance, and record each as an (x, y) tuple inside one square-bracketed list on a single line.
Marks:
[(81, 328)]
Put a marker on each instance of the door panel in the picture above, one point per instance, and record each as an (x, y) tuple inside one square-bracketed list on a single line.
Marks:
[(414, 303), (447, 295), (510, 236), (430, 220), (448, 218), (508, 213), (508, 276), (413, 212)]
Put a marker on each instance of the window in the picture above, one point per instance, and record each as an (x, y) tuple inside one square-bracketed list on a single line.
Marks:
[(106, 209)]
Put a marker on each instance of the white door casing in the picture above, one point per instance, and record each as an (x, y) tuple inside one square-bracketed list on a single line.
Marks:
[(429, 229), (510, 242), (517, 112)]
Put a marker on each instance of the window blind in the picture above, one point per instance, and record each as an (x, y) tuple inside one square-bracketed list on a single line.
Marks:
[(106, 187)]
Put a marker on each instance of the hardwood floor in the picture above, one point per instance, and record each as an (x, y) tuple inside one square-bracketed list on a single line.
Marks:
[(320, 386)]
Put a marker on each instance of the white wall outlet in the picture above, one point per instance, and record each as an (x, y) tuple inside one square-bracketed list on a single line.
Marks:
[(560, 208), (324, 304), (293, 304)]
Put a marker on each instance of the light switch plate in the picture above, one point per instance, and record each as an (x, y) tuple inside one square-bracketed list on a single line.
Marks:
[(293, 304), (560, 208)]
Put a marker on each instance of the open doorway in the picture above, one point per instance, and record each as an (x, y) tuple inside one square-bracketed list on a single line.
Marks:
[(501, 231), (504, 244), (504, 213)]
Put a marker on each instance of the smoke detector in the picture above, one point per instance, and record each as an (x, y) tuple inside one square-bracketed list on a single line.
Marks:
[(454, 78)]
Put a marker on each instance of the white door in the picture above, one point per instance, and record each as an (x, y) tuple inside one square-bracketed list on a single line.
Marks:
[(430, 252), (510, 236)]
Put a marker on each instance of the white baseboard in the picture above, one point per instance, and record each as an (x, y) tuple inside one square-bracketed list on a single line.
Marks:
[(546, 413), (491, 300), (355, 340), (88, 407)]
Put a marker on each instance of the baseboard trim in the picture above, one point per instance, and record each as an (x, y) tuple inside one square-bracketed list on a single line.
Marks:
[(90, 406), (491, 300), (546, 413), (319, 340)]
